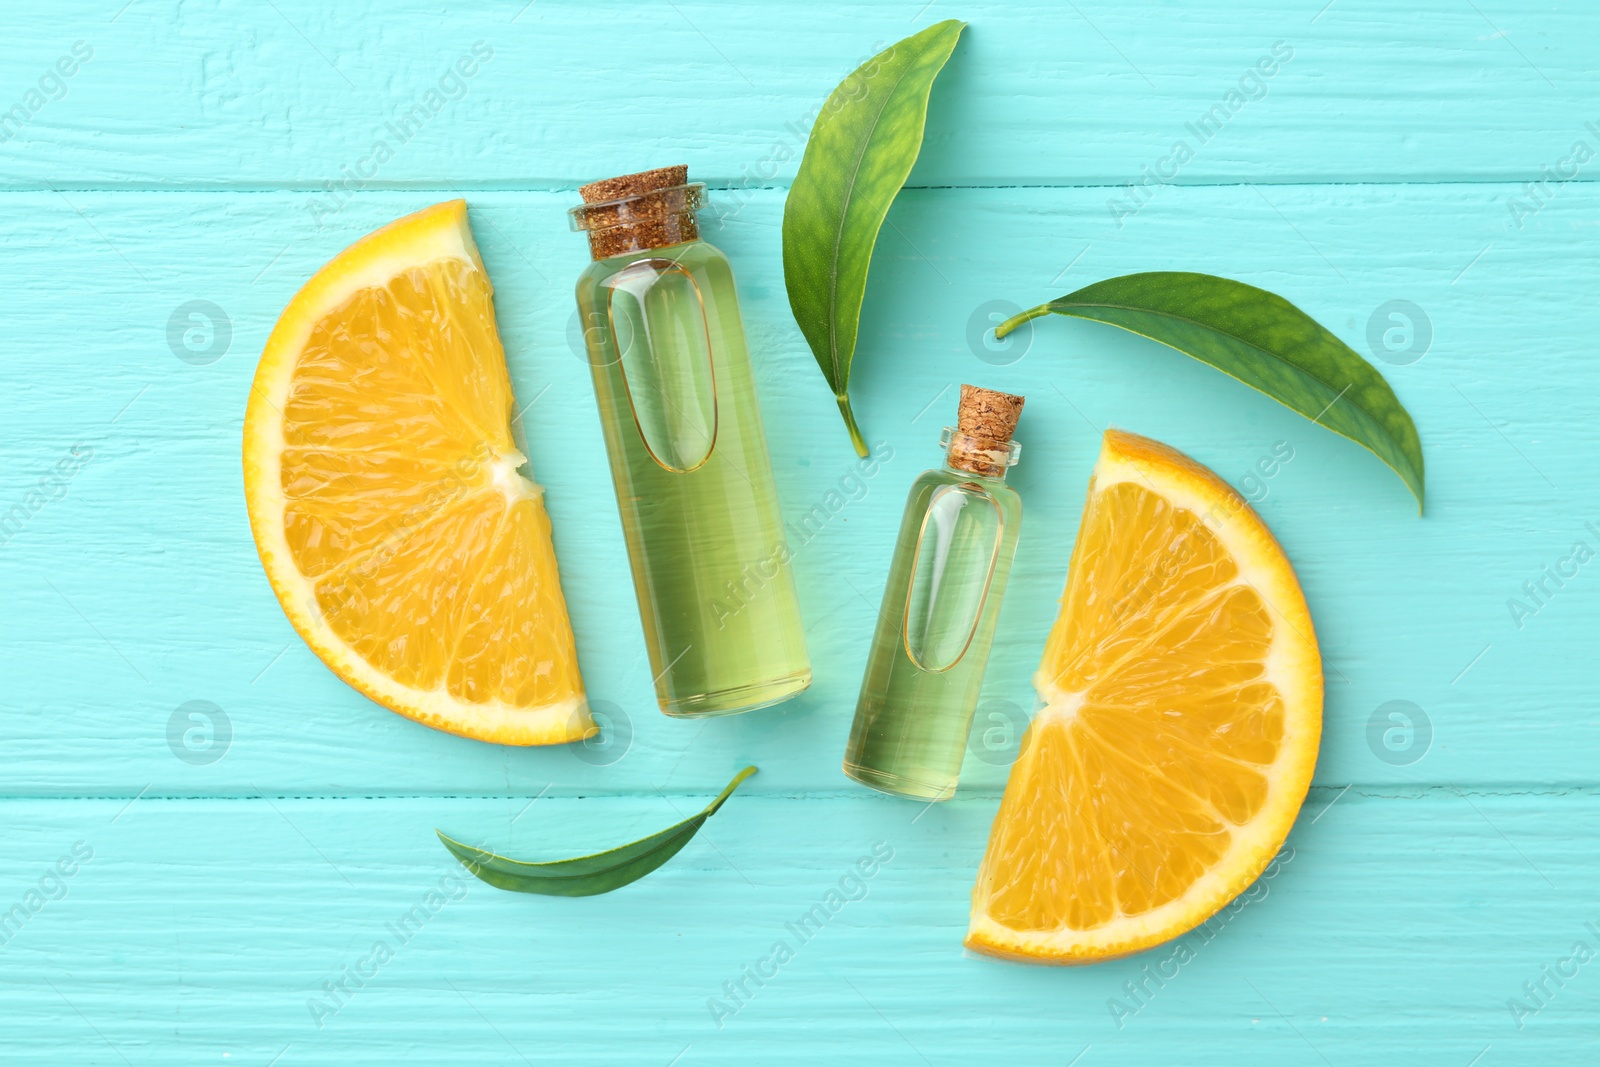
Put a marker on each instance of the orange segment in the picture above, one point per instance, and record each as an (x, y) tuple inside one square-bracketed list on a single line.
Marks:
[(387, 498), (1182, 706)]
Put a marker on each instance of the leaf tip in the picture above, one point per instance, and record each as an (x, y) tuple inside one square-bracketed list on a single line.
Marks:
[(738, 779)]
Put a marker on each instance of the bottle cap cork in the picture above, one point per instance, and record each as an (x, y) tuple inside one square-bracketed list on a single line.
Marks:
[(650, 209), (626, 185), (985, 421)]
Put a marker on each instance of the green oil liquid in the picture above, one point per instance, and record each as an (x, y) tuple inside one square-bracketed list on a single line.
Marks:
[(935, 629), (693, 479)]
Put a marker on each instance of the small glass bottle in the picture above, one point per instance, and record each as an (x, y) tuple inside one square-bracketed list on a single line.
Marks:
[(937, 622), (694, 483)]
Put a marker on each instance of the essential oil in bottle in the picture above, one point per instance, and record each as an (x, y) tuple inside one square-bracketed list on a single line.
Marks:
[(937, 622), (688, 454)]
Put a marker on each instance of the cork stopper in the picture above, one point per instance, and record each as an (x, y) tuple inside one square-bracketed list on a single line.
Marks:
[(626, 185), (636, 212), (981, 442)]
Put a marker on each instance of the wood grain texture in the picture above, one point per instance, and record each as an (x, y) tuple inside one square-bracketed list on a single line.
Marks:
[(1388, 162), (228, 93), (1403, 606), (207, 927)]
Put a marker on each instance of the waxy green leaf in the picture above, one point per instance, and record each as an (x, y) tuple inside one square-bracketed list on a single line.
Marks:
[(861, 150), (1264, 341), (585, 876)]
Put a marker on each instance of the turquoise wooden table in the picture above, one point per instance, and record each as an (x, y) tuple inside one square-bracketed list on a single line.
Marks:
[(241, 829)]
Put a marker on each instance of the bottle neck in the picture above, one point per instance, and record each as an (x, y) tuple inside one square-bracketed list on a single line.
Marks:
[(967, 454), (620, 240), (641, 222), (994, 474)]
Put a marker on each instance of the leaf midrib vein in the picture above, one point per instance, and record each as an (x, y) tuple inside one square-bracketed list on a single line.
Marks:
[(1243, 341), (838, 235)]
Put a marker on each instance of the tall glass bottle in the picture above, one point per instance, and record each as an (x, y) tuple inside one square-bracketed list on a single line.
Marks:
[(688, 454), (937, 622)]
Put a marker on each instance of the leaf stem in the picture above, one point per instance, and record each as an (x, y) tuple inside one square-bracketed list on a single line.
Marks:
[(1018, 319), (850, 424)]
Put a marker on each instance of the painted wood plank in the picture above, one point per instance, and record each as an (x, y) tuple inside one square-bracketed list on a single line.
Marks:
[(1420, 905), (137, 589), (1095, 92), (205, 931)]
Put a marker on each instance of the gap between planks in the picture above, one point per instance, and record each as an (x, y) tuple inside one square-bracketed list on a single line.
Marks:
[(1382, 791), (457, 189)]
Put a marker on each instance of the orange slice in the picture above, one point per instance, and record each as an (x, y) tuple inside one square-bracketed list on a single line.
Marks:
[(387, 499), (1182, 706)]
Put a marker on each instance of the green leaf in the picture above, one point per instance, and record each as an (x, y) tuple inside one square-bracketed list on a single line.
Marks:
[(586, 876), (1264, 341), (861, 149)]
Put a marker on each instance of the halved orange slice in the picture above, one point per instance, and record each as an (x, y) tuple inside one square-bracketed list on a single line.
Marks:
[(387, 499), (1182, 693)]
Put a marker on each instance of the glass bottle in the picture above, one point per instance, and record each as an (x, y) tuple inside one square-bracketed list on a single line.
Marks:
[(694, 483), (937, 622)]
